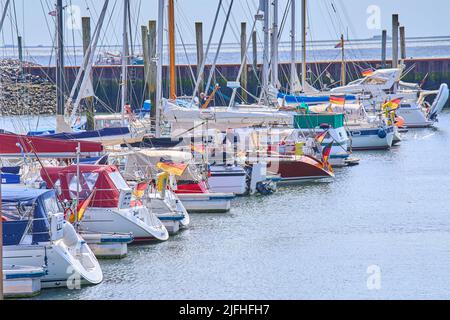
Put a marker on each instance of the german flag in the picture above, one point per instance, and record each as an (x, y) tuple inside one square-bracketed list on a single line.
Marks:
[(367, 72), (140, 189), (326, 157), (338, 100), (82, 207), (392, 105), (175, 169), (321, 137)]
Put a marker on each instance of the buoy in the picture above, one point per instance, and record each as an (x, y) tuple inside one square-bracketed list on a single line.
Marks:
[(382, 133)]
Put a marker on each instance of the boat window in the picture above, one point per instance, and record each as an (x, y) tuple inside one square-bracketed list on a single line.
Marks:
[(119, 181), (374, 81), (51, 205), (91, 179), (81, 186)]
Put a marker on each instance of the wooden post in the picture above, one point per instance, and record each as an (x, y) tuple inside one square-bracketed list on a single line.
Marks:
[(383, 49), (343, 64), (145, 53), (152, 65), (86, 31), (255, 51), (20, 46), (395, 26), (402, 43), (200, 49), (244, 76)]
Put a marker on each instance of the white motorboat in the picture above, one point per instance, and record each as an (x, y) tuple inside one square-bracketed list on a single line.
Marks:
[(36, 234), (108, 246), (110, 210)]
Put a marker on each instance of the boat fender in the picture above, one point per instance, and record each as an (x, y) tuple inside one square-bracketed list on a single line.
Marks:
[(70, 237), (382, 133)]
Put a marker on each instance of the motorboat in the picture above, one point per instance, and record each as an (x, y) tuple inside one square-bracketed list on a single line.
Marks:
[(110, 210), (36, 234)]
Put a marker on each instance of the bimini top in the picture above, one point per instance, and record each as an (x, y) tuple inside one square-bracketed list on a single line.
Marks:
[(24, 207), (105, 181), (14, 194)]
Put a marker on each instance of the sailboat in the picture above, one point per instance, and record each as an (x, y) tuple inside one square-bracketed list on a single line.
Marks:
[(108, 131)]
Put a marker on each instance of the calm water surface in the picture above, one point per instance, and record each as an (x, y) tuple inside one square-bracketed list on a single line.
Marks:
[(314, 241)]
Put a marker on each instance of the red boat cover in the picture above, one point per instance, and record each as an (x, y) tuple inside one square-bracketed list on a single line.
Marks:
[(12, 144), (105, 180)]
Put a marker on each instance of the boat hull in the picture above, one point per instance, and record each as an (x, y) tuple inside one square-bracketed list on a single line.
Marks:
[(142, 224), (206, 203)]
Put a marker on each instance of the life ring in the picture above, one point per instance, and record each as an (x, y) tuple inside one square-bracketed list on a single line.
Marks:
[(382, 134), (68, 214)]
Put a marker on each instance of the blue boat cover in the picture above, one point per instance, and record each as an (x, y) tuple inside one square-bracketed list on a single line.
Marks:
[(13, 230), (310, 99), (10, 178), (11, 170), (107, 132)]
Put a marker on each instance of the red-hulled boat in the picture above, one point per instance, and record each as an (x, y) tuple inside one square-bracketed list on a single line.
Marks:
[(297, 169), (13, 145)]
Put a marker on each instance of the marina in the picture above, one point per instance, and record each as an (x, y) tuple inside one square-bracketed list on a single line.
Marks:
[(274, 176)]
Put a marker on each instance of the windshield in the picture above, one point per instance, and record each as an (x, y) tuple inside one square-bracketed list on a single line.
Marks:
[(119, 181), (51, 205), (85, 186)]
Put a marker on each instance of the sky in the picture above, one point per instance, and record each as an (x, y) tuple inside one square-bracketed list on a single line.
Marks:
[(359, 19)]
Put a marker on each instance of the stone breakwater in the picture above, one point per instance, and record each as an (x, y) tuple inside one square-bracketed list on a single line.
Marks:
[(22, 93)]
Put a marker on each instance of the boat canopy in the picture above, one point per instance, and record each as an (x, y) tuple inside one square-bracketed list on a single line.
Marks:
[(105, 181), (14, 145), (24, 208)]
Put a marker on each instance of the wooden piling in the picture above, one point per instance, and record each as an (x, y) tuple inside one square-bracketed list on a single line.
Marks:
[(383, 48), (402, 43), (200, 49), (86, 34), (20, 47), (244, 76), (255, 51), (395, 25), (152, 65)]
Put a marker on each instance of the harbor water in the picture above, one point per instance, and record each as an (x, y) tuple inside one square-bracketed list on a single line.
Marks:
[(381, 230)]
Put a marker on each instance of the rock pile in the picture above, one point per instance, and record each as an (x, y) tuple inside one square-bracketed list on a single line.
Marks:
[(24, 94)]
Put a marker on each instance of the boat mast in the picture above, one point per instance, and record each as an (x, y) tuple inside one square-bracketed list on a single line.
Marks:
[(293, 51), (275, 44), (60, 75), (125, 56), (304, 15), (173, 75), (159, 55), (5, 10), (265, 71)]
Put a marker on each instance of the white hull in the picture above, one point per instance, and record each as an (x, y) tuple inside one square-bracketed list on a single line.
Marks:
[(206, 203), (113, 246), (414, 116), (22, 282), (170, 211), (63, 264), (141, 223), (228, 179), (368, 139)]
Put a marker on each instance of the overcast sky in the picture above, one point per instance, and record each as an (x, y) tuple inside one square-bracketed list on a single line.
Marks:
[(328, 18)]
